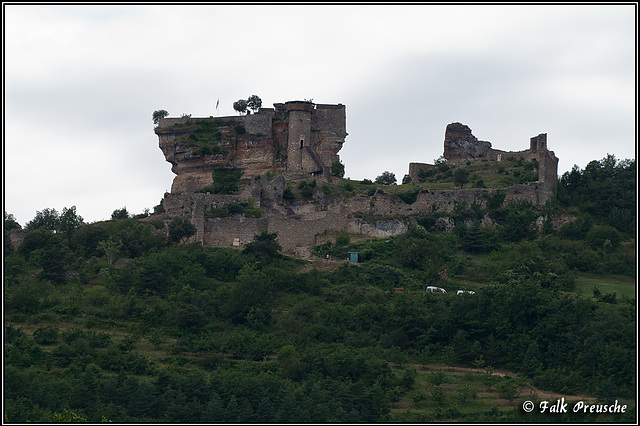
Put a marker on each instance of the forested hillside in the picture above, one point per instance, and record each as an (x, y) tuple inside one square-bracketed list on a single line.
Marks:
[(114, 321)]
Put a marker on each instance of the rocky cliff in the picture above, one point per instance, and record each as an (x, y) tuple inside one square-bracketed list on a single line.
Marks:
[(299, 138)]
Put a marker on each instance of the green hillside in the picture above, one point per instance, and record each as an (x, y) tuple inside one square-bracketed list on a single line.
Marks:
[(114, 321)]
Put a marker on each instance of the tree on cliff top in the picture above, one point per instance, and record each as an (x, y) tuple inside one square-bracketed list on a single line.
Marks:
[(240, 106), (158, 115), (386, 178), (254, 103)]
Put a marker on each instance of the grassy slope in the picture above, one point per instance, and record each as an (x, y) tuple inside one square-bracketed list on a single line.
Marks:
[(421, 404), (621, 285)]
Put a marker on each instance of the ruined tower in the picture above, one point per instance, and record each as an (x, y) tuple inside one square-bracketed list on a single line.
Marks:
[(547, 160), (299, 134)]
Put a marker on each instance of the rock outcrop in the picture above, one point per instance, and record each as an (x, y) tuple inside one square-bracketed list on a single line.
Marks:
[(460, 145), (298, 138)]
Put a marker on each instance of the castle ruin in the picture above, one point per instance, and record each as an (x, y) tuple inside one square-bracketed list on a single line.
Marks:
[(461, 146), (300, 140)]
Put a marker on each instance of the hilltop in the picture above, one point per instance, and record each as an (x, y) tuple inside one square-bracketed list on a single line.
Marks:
[(278, 170)]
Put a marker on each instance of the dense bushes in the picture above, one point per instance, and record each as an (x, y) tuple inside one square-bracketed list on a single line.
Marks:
[(340, 329), (187, 333), (605, 189)]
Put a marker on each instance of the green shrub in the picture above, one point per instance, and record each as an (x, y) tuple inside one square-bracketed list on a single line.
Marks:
[(235, 208), (226, 181), (337, 169), (306, 191), (216, 212), (253, 213), (409, 197), (327, 190), (46, 335), (288, 195), (98, 339), (604, 237)]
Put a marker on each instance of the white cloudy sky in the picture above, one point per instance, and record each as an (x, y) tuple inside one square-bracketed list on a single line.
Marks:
[(81, 84)]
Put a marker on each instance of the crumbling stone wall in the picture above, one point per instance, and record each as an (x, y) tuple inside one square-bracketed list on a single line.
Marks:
[(302, 223), (461, 146), (416, 168), (308, 137), (328, 131), (223, 231)]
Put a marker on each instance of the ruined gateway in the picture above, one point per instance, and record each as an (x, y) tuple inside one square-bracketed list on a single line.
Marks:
[(299, 140)]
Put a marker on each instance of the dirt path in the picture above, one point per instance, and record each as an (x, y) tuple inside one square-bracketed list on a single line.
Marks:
[(524, 391)]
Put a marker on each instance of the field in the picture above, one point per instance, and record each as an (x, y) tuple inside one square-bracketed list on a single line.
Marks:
[(460, 394), (621, 285)]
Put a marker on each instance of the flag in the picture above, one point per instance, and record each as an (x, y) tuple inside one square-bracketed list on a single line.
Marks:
[(217, 103)]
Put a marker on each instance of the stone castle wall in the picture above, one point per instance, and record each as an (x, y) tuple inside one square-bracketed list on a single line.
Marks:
[(308, 137), (461, 146), (302, 223), (299, 137)]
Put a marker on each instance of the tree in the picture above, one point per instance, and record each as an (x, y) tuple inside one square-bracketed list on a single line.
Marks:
[(531, 360), (386, 178), (474, 238), (47, 335), (519, 221), (54, 262), (68, 221), (264, 246), (460, 176), (254, 103), (68, 416), (337, 169), (10, 222), (508, 388), (159, 115), (604, 238), (180, 228), (290, 363), (47, 218), (111, 249), (240, 106), (120, 214)]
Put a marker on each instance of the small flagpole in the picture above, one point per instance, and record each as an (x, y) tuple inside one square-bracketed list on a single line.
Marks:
[(217, 104)]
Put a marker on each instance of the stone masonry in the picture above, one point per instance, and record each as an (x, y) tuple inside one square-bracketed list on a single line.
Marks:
[(460, 146), (299, 140)]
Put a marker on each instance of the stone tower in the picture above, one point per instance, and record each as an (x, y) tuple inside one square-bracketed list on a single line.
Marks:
[(548, 162), (299, 134)]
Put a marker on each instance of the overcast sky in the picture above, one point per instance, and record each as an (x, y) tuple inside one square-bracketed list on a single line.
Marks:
[(82, 82)]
